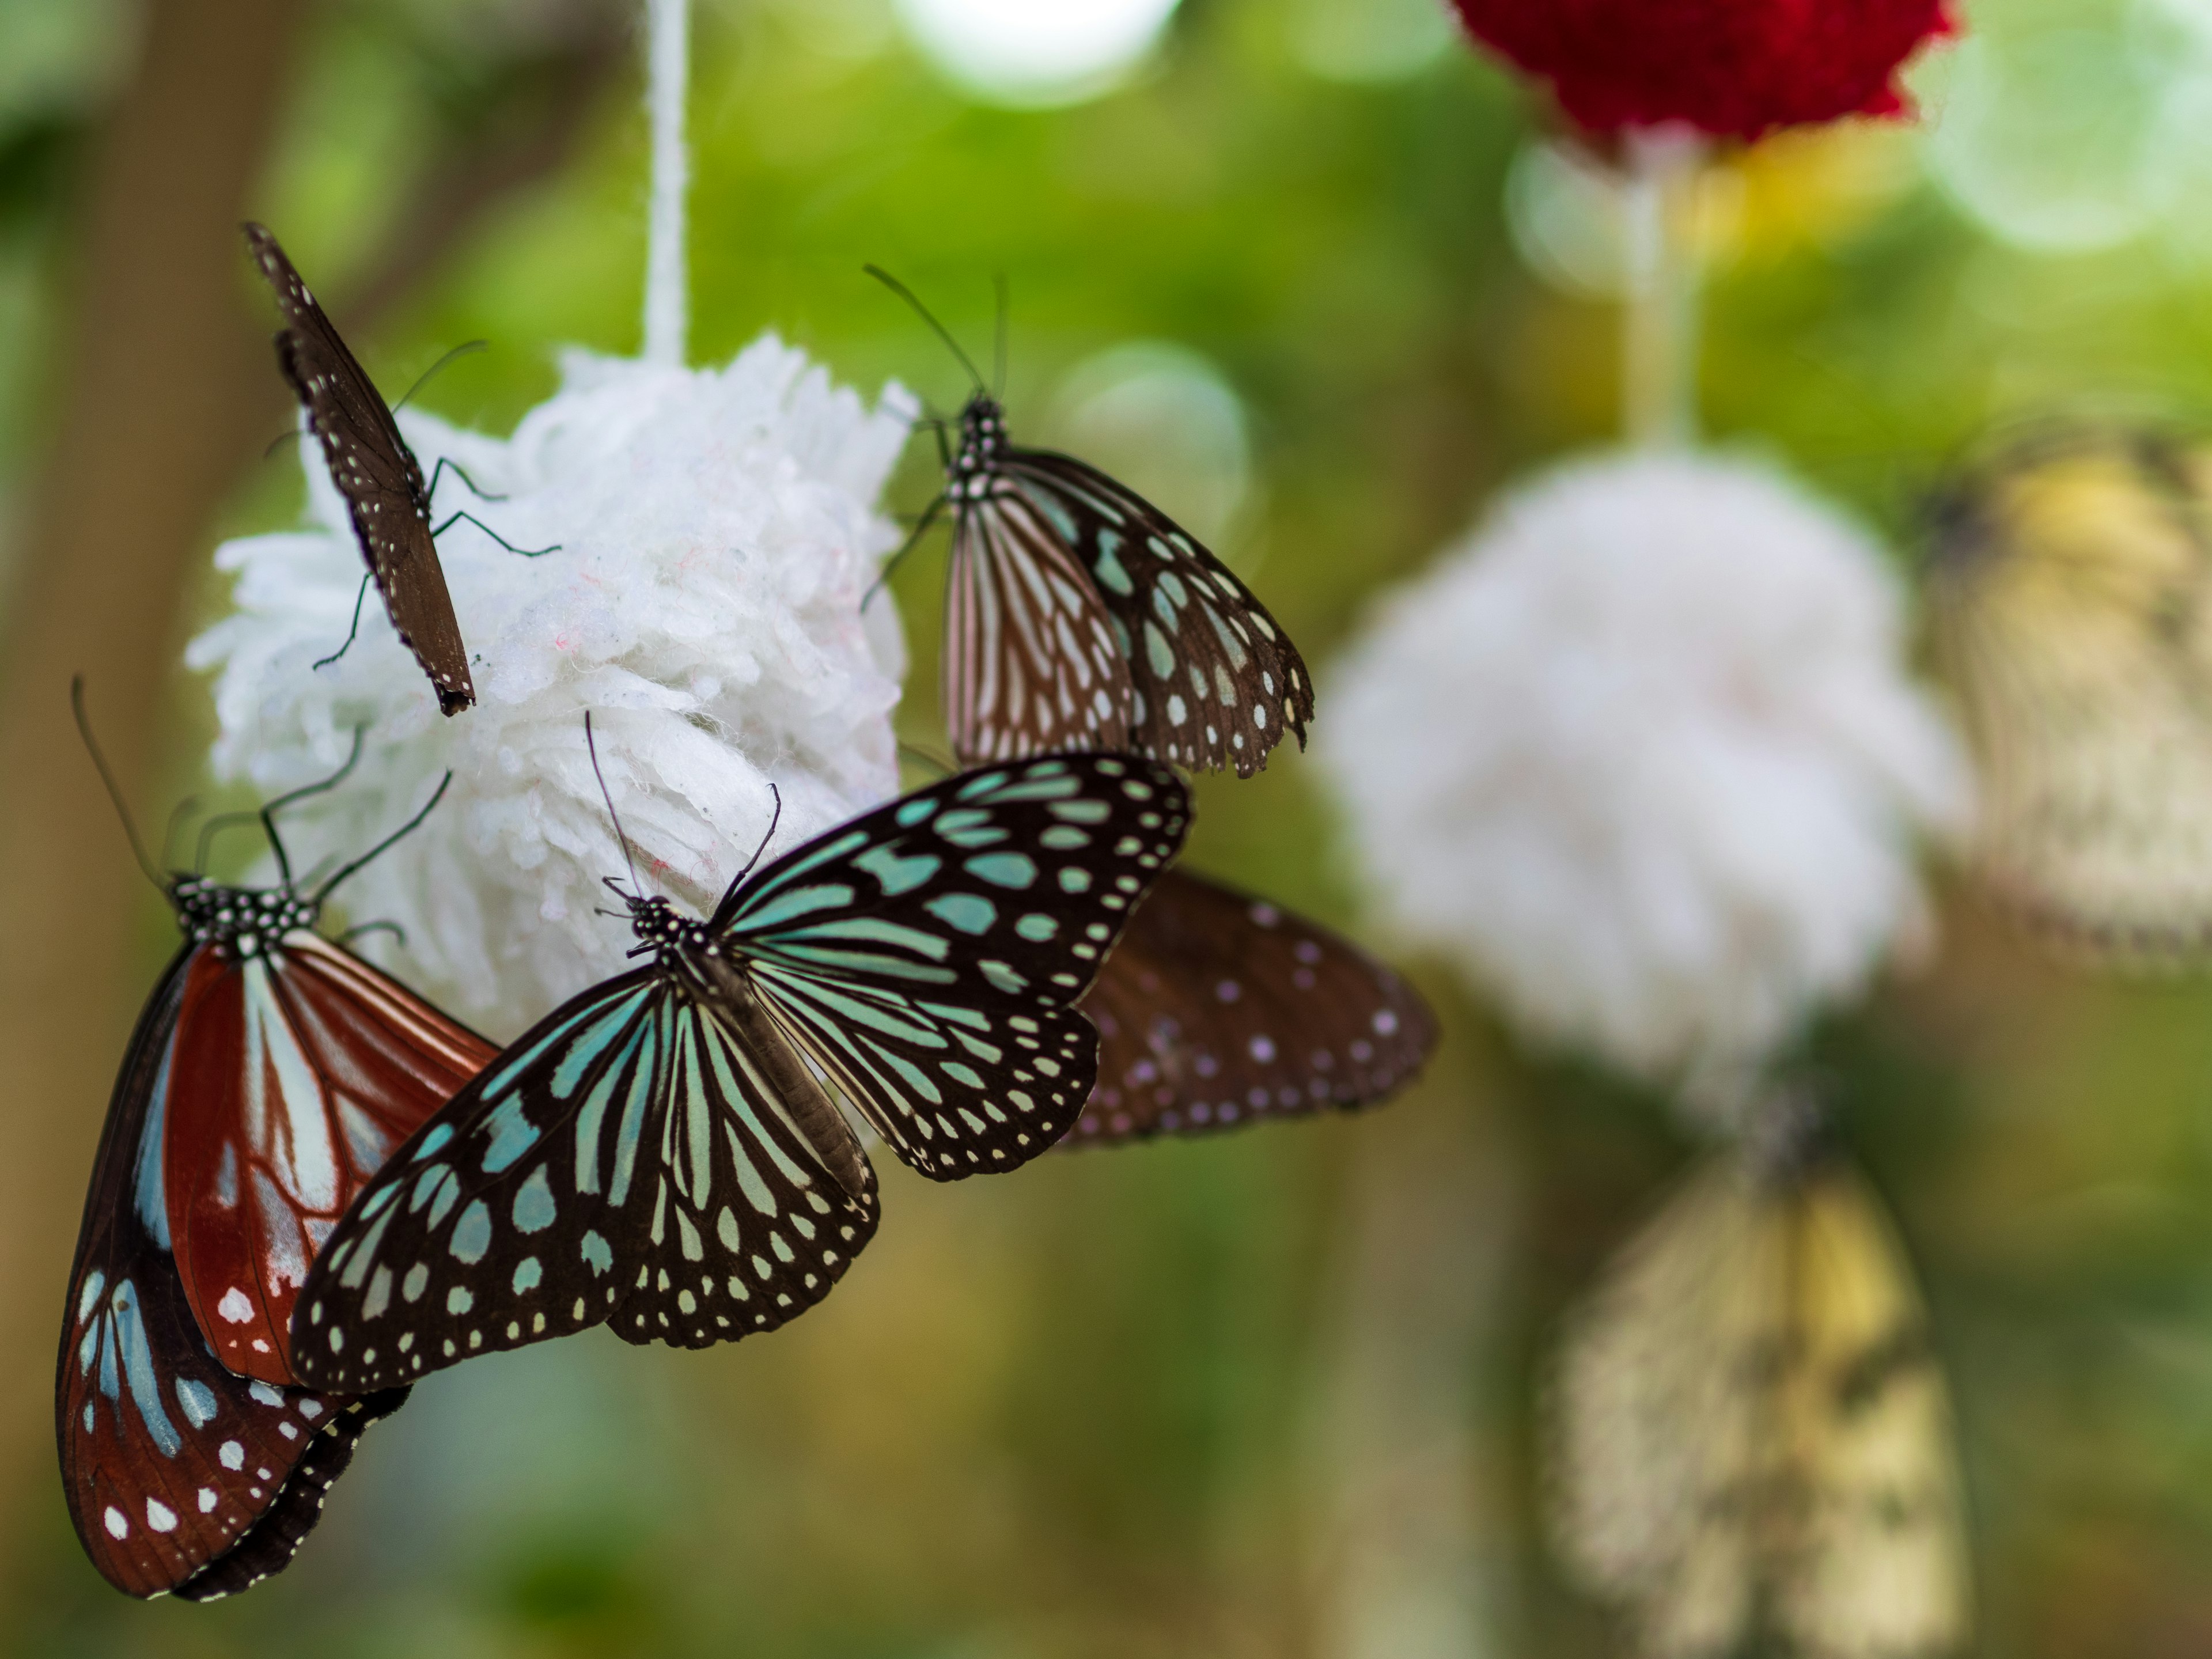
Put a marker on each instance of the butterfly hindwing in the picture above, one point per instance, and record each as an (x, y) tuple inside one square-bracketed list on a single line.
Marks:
[(1217, 683), (1032, 665), (299, 1069), (1217, 1009), (177, 1472), (375, 472), (930, 955), (623, 1162)]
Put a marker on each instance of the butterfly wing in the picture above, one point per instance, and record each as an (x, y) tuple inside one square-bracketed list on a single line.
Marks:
[(375, 472), (298, 1071), (2073, 601), (1217, 683), (624, 1161), (1748, 1430), (176, 1473), (929, 955), (1217, 1009), (268, 1549), (1031, 665)]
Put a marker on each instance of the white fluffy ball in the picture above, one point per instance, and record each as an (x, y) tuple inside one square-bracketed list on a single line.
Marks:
[(717, 531), (1643, 756)]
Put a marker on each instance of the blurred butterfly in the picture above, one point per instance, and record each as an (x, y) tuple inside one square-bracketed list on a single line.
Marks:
[(662, 1154), (1217, 1009), (1752, 1438), (269, 1075), (378, 475), (2071, 576), (1080, 616)]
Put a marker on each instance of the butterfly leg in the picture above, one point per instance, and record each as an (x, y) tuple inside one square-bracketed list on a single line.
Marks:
[(391, 928), (527, 552), (444, 464), (913, 539), (352, 633)]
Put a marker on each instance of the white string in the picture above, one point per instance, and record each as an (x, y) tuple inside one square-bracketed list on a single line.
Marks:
[(667, 315)]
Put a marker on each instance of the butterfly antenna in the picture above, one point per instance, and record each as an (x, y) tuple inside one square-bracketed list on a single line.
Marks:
[(106, 777), (182, 810), (423, 379), (613, 818), (923, 312), (999, 364), (385, 846), (774, 819)]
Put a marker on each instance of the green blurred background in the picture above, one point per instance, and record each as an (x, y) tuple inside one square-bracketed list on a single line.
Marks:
[(1316, 279)]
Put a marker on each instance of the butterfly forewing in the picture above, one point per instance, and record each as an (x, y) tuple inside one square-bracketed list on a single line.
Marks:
[(1032, 665), (930, 956), (375, 472), (1217, 683), (300, 1068), (176, 1473), (1217, 1009), (623, 1162), (1753, 1444)]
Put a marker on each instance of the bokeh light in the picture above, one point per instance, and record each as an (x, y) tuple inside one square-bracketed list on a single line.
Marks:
[(1020, 51)]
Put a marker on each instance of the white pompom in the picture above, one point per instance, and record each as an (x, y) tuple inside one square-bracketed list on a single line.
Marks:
[(1643, 756), (717, 532)]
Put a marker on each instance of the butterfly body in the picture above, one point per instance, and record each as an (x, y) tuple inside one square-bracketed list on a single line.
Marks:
[(377, 473), (190, 1462), (1079, 615), (662, 1154)]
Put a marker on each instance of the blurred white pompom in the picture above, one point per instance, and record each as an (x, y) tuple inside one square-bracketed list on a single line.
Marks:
[(717, 531), (1642, 755)]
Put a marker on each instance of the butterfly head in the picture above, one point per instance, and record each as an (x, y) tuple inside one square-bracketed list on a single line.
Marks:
[(239, 922), (662, 929), (982, 442)]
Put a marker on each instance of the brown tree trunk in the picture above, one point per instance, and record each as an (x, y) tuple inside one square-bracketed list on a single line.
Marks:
[(159, 401)]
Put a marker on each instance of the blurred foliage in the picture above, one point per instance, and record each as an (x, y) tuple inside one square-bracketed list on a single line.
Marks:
[(1067, 1415)]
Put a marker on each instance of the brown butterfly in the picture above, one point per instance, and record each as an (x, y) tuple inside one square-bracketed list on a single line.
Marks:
[(377, 474), (1219, 1009)]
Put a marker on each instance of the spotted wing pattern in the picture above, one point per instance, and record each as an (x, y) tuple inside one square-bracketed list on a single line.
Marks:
[(1031, 665), (2072, 586), (375, 472), (1216, 683), (180, 1475), (1217, 1009), (929, 957), (624, 1161), (299, 1069), (1751, 1440)]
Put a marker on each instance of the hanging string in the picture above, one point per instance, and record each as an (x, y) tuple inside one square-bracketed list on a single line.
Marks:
[(667, 311), (1659, 343)]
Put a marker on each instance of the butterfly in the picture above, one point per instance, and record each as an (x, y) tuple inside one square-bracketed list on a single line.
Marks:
[(2071, 579), (1080, 616), (269, 1074), (375, 472), (662, 1152), (1218, 1008), (1752, 1439)]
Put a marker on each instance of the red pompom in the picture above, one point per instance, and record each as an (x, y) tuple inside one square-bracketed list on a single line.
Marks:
[(1735, 68)]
